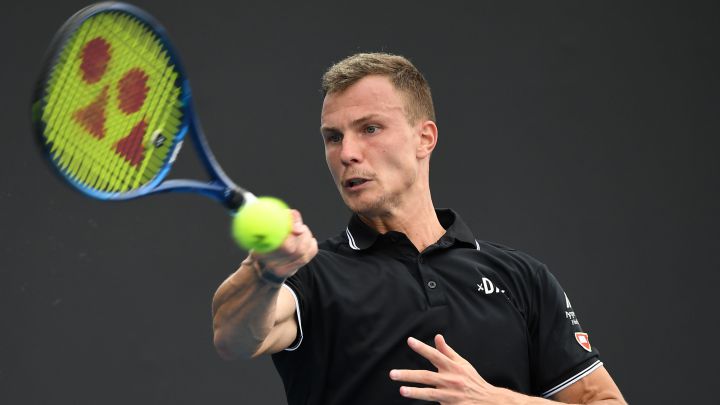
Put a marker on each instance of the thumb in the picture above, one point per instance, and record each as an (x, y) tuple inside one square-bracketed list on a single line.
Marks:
[(297, 222)]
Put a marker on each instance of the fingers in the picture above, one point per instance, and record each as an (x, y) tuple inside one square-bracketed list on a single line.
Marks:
[(416, 376), (445, 349), (297, 223), (426, 394), (291, 255), (297, 249), (424, 377), (435, 357), (455, 381)]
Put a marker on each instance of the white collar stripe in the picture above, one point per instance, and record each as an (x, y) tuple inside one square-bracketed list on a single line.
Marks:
[(351, 240)]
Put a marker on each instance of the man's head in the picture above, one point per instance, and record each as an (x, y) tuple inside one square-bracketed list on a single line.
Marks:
[(401, 73), (379, 131)]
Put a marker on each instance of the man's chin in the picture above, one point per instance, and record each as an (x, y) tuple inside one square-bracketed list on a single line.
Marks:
[(356, 204), (366, 207)]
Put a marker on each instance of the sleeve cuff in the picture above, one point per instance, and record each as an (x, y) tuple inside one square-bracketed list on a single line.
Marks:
[(299, 339), (589, 369)]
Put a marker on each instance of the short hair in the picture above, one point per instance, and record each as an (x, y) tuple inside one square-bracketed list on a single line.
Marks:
[(401, 72)]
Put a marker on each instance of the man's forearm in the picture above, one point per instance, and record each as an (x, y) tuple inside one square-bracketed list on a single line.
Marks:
[(514, 398), (243, 312)]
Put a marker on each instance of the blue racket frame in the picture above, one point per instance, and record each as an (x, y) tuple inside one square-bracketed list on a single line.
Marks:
[(220, 187)]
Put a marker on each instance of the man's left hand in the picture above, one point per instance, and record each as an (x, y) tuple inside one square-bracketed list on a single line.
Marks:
[(454, 382)]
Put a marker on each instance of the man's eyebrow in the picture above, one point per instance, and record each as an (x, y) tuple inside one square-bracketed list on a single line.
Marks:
[(364, 119), (354, 123), (327, 130)]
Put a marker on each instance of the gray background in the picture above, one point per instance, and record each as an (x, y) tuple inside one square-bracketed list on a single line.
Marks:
[(584, 133)]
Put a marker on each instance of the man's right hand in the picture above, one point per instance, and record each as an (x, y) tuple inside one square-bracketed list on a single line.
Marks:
[(296, 251)]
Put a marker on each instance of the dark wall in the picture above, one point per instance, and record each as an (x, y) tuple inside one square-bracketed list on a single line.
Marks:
[(583, 133)]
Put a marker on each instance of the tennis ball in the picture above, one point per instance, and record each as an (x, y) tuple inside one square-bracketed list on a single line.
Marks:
[(262, 225)]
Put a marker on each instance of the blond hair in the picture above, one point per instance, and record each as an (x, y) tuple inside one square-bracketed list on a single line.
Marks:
[(401, 72)]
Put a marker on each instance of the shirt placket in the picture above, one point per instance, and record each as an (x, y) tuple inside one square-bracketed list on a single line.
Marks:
[(434, 288)]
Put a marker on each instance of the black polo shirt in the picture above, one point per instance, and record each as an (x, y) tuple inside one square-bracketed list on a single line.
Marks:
[(365, 293)]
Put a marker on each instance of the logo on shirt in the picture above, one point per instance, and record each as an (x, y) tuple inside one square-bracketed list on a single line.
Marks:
[(583, 340), (488, 287), (569, 313)]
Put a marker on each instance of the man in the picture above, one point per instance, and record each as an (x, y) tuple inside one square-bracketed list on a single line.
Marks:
[(364, 320)]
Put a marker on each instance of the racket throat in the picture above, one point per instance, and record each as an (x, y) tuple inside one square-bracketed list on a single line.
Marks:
[(236, 197)]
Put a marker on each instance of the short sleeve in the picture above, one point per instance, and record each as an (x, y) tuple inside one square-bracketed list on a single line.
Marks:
[(561, 353), (300, 286)]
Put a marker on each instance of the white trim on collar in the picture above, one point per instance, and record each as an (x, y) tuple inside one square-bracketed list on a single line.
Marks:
[(351, 240)]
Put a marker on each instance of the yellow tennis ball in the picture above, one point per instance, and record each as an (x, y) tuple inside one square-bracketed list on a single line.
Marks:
[(262, 225)]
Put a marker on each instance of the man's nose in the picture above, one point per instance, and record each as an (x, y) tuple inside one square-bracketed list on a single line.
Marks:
[(351, 150)]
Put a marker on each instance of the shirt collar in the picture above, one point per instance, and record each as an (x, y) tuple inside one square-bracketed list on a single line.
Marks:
[(360, 236)]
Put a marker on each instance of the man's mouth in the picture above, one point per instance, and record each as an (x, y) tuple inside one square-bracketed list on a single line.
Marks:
[(354, 182)]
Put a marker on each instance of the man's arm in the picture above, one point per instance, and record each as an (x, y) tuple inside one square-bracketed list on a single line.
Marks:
[(457, 382), (252, 313), (596, 388)]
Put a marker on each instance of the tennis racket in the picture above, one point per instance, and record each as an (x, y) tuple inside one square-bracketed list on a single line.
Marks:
[(113, 106)]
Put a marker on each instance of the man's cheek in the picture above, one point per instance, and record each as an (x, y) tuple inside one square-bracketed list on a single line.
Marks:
[(333, 171)]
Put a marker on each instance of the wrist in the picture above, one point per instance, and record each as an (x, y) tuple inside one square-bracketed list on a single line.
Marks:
[(510, 397), (263, 273)]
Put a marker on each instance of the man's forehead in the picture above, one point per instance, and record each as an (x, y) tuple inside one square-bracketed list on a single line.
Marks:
[(369, 95)]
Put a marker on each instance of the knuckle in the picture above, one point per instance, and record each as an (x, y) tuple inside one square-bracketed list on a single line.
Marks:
[(456, 383), (292, 248)]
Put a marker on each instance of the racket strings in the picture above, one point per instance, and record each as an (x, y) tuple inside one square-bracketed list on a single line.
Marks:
[(76, 154), (79, 155), (103, 112), (136, 37)]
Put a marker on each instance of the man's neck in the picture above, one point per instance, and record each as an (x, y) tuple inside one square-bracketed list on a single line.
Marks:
[(418, 222)]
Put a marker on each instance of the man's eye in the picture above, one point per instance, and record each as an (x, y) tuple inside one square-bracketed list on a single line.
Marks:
[(371, 129), (334, 138)]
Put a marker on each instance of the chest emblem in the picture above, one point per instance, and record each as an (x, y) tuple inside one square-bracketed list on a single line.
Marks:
[(488, 287)]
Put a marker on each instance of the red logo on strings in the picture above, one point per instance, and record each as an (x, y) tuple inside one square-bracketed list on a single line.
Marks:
[(132, 92)]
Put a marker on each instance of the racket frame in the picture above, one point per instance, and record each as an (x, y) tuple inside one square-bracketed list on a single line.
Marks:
[(219, 187)]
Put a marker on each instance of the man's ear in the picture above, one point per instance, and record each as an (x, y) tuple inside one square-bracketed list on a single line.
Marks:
[(428, 139)]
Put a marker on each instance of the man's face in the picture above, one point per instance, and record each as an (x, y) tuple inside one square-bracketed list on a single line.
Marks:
[(370, 146)]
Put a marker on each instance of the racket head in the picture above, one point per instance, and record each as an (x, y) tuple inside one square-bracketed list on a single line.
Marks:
[(112, 105)]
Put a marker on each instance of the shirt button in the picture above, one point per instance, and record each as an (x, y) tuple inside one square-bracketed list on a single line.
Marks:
[(432, 284)]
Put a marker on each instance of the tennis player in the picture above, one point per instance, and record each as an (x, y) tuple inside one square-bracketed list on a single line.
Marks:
[(405, 305)]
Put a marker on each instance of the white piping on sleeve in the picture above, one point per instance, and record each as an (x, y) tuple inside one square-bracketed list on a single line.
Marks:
[(297, 311), (572, 380)]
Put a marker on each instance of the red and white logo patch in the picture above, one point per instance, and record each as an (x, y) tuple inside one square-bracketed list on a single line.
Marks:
[(583, 340)]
